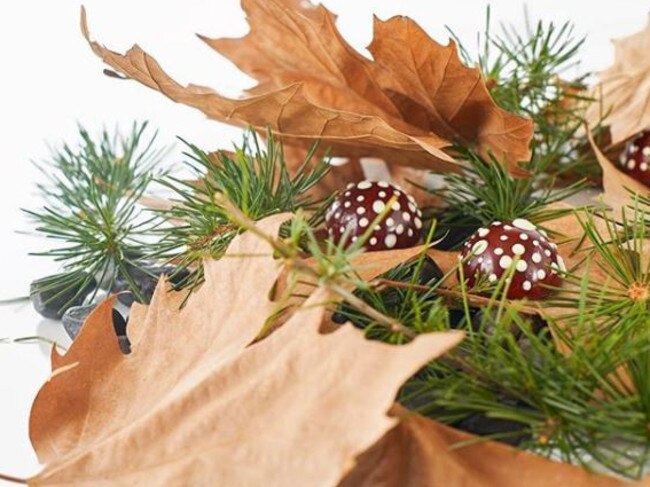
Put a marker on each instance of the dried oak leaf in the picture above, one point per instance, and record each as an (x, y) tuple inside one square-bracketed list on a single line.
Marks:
[(623, 93), (406, 106), (618, 187), (419, 452), (196, 403)]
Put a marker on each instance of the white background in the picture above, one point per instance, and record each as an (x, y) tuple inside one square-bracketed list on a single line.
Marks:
[(50, 81)]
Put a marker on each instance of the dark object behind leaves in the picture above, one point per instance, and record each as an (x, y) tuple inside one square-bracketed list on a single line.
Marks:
[(51, 296), (75, 317), (119, 325)]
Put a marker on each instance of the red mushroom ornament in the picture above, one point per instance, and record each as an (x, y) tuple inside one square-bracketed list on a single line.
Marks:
[(635, 159), (490, 252), (359, 205)]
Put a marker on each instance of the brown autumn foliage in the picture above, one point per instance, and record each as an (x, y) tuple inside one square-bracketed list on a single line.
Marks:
[(623, 93), (419, 452), (198, 403), (618, 188), (407, 105)]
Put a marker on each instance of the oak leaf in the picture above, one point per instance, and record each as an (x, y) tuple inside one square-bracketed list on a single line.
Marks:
[(618, 188), (407, 106), (198, 403), (623, 93), (419, 452)]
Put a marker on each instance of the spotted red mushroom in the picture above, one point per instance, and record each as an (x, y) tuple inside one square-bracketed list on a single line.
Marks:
[(356, 208), (490, 252), (635, 159)]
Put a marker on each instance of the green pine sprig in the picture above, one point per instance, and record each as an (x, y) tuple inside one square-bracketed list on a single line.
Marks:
[(256, 180), (91, 211)]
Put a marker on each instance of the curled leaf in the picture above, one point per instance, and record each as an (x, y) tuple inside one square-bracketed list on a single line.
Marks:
[(314, 86)]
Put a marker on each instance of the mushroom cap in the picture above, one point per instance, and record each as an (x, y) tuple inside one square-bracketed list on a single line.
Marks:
[(358, 206), (635, 159), (490, 252)]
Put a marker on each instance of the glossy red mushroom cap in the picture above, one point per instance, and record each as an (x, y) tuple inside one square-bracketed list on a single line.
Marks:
[(635, 159), (490, 252), (356, 208)]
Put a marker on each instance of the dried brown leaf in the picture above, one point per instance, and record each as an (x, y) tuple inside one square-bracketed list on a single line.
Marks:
[(618, 187), (314, 86), (421, 453), (623, 93), (196, 403)]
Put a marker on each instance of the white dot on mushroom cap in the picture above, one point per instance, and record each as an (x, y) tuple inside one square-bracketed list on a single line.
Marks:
[(377, 228), (400, 229), (418, 223), (382, 184), (412, 207), (347, 193), (518, 249), (396, 206), (496, 224), (633, 148), (537, 257), (390, 222), (507, 227), (541, 274), (360, 198), (547, 253), (354, 239), (350, 185), (347, 204), (373, 240), (503, 238), (521, 265), (492, 277), (480, 260), (526, 285), (536, 243), (505, 261), (382, 194), (363, 222), (390, 241), (523, 236), (406, 216), (479, 247), (498, 251), (631, 164), (364, 185), (410, 232), (378, 206), (342, 228), (361, 210), (643, 166), (523, 224), (337, 214), (646, 151), (482, 232)]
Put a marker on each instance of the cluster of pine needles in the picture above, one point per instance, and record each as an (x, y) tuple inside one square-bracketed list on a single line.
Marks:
[(579, 392)]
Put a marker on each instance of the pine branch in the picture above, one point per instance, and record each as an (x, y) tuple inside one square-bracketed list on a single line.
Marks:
[(91, 210), (256, 180)]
